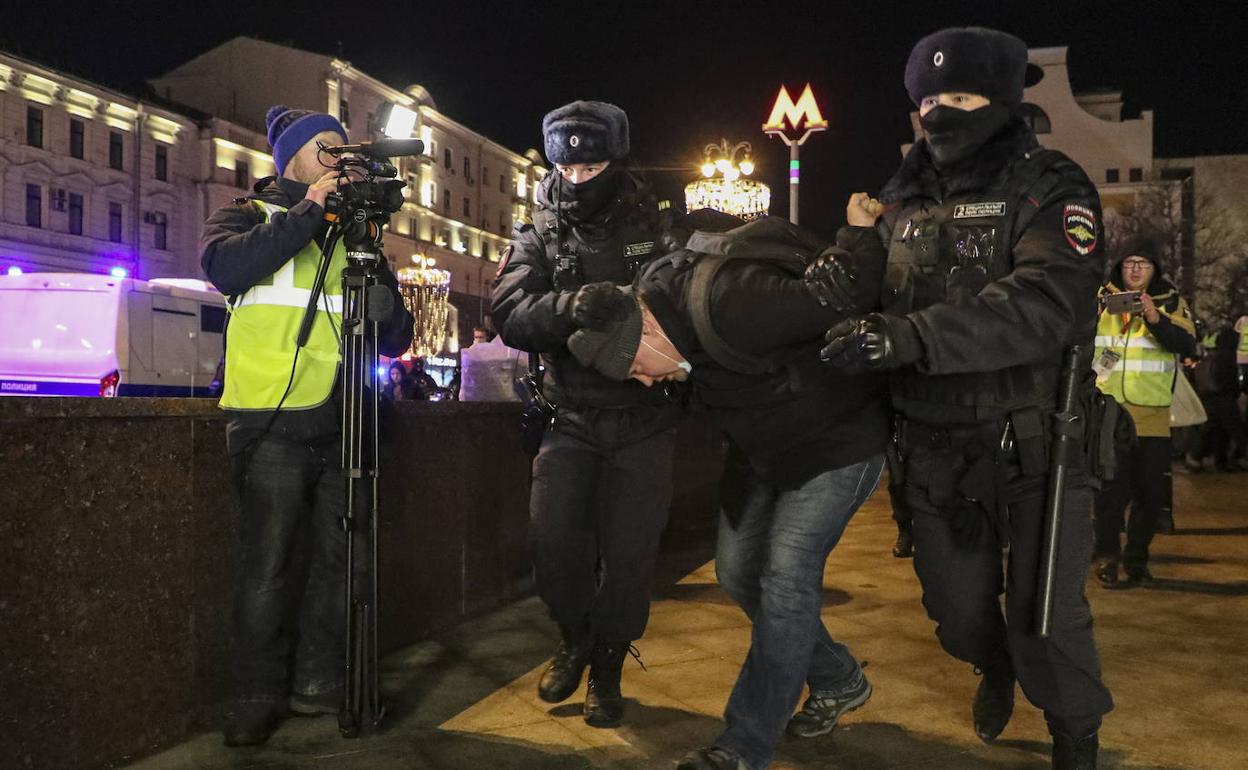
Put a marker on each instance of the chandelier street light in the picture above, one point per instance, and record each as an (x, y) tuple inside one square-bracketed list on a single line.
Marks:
[(723, 187)]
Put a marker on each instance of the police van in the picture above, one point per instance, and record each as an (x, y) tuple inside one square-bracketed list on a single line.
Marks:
[(80, 334)]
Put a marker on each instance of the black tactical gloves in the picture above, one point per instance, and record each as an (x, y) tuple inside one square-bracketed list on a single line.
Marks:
[(597, 305), (872, 343), (830, 277)]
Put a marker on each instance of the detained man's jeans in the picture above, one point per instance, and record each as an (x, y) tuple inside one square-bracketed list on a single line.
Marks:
[(285, 486), (772, 564)]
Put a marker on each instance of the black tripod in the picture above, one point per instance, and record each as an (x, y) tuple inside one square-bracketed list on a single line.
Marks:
[(365, 305)]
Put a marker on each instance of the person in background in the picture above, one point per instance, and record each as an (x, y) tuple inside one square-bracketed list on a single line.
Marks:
[(1136, 362), (398, 386), (426, 386), (491, 371), (1217, 384), (480, 334)]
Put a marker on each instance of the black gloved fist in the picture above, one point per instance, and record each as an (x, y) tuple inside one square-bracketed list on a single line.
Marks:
[(872, 343), (596, 305), (830, 277)]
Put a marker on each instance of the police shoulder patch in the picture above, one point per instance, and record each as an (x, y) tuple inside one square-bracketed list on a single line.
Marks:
[(1079, 224), (503, 259)]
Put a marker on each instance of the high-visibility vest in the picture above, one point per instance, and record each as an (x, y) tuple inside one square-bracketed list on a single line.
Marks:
[(264, 323), (1145, 372), (1241, 352)]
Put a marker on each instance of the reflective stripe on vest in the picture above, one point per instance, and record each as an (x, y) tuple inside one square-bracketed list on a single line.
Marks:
[(264, 323), (1145, 372)]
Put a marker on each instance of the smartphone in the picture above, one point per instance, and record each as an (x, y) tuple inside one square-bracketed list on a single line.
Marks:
[(1124, 302)]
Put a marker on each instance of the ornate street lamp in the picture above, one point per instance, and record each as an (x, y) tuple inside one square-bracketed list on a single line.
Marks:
[(723, 187)]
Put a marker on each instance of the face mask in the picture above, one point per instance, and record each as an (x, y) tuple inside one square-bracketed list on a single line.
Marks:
[(592, 195), (683, 366), (953, 135)]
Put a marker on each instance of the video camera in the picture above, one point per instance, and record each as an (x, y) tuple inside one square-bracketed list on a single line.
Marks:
[(362, 206)]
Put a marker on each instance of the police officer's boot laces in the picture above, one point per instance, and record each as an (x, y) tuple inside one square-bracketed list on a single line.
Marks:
[(994, 699), (563, 675)]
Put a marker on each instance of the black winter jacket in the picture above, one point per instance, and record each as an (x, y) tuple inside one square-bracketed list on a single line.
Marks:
[(532, 315), (239, 249), (790, 425)]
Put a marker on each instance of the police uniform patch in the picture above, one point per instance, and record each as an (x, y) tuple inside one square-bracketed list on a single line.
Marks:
[(638, 249), (574, 140), (504, 259), (1079, 224), (977, 210)]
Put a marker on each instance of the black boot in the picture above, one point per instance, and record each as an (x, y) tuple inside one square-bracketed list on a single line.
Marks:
[(564, 674), (994, 700), (904, 547), (604, 705), (250, 722), (1071, 754)]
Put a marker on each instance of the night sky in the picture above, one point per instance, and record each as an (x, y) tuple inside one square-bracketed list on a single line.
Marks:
[(686, 72)]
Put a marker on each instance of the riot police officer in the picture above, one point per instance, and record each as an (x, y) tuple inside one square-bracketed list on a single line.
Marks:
[(994, 259), (602, 480)]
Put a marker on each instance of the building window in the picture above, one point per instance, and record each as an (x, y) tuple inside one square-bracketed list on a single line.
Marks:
[(502, 223), (413, 228), (467, 168), (370, 124), (77, 134), (116, 143), (446, 200), (34, 205), (485, 249), (1036, 118), (34, 126), (1111, 175), (114, 222), (1136, 175), (162, 163), (160, 230), (502, 183), (344, 113), (75, 214), (242, 174), (467, 207), (446, 157)]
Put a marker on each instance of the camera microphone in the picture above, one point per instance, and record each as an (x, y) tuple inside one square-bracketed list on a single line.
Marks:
[(382, 148)]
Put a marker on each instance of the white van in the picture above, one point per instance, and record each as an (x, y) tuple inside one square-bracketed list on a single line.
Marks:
[(81, 334)]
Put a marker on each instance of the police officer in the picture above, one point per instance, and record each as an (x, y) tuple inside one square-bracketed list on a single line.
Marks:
[(1136, 360), (602, 480), (994, 260), (284, 425)]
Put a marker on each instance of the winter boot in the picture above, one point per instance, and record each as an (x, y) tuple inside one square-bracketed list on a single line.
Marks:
[(904, 547), (250, 722), (1071, 754), (994, 700), (563, 675), (604, 705)]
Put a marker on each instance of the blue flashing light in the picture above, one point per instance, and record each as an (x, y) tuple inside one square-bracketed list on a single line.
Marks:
[(381, 372), (14, 270), (118, 272)]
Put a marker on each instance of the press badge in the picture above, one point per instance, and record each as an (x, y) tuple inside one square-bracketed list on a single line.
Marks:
[(1105, 364)]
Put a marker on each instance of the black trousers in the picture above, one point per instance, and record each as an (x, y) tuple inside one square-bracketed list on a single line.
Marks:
[(288, 489), (1144, 482), (959, 561), (1223, 436), (598, 505)]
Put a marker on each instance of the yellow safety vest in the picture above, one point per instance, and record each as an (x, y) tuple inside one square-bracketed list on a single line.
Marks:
[(264, 322), (1145, 372), (1241, 353)]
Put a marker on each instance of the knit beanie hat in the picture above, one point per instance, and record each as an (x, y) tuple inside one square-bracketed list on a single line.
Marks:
[(585, 132), (290, 129), (973, 60), (611, 349)]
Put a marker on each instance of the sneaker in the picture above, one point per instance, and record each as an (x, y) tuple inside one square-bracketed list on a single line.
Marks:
[(712, 758), (328, 702), (1107, 572), (821, 710), (250, 722)]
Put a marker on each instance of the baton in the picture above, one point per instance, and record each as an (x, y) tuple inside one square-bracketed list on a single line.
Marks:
[(1065, 427)]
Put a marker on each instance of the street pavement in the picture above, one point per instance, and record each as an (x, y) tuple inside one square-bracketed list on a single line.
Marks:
[(1174, 656)]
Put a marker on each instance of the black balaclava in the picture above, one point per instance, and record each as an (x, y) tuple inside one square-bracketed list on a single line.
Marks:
[(585, 200), (953, 135)]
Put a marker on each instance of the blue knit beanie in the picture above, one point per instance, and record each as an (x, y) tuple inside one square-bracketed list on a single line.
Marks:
[(289, 129)]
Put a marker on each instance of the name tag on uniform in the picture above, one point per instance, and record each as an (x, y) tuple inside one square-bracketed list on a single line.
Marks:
[(1104, 365), (977, 210), (638, 249)]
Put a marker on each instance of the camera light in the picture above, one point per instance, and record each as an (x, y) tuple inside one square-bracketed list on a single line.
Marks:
[(401, 124), (117, 271), (14, 270)]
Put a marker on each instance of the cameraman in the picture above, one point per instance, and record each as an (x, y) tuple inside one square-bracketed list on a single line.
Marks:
[(1136, 363), (284, 431), (602, 480)]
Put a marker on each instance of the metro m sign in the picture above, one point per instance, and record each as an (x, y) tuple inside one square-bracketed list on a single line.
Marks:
[(803, 116)]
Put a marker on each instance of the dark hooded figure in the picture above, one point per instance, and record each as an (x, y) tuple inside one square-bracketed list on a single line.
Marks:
[(1137, 362), (602, 479), (993, 263)]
